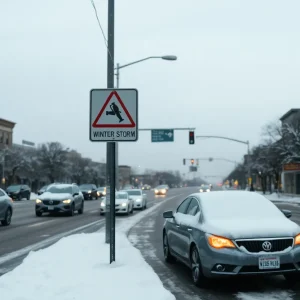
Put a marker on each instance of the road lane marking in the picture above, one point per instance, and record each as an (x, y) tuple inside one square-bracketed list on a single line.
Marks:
[(40, 223), (44, 243)]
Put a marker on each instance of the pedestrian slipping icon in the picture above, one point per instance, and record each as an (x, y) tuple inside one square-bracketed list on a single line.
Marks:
[(115, 111)]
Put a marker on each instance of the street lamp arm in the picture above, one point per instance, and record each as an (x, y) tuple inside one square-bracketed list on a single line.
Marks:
[(222, 137), (136, 62)]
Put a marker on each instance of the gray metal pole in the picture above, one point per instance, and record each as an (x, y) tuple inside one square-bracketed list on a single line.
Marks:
[(249, 162), (111, 147)]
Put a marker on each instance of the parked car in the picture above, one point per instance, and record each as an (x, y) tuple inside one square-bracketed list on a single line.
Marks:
[(138, 197), (6, 208), (89, 191), (19, 191), (42, 190), (60, 198), (124, 205), (232, 233)]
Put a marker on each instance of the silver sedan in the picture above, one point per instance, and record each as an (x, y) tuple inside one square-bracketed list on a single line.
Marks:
[(228, 233), (6, 208)]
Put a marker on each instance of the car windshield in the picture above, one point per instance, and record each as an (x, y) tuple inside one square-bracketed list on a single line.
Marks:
[(161, 187), (56, 189), (101, 189), (14, 188), (237, 205), (205, 187), (121, 196), (134, 193), (86, 187)]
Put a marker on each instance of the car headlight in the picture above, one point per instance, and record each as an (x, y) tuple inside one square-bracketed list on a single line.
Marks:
[(37, 201), (297, 240), (124, 204), (201, 191), (138, 200), (102, 204), (89, 192), (219, 242), (67, 201), (104, 193), (156, 191), (208, 190)]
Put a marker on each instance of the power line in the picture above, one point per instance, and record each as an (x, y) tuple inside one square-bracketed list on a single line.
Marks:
[(99, 23)]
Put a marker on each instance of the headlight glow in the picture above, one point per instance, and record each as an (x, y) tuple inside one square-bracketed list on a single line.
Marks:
[(124, 204), (201, 191), (102, 204), (208, 190), (67, 201), (138, 200), (220, 242), (156, 191), (38, 201), (104, 193), (89, 192)]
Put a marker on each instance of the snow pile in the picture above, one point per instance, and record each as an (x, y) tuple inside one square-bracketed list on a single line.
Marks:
[(77, 267), (282, 198)]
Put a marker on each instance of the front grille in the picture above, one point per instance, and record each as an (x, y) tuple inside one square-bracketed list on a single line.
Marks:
[(47, 202), (255, 246), (255, 269)]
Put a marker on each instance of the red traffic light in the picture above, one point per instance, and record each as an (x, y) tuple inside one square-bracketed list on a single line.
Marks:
[(191, 137)]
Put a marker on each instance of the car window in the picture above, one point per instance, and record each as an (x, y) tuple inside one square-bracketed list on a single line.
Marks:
[(183, 206), (1, 194), (76, 189), (193, 208)]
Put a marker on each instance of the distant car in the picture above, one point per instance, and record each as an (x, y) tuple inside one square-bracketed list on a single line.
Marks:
[(161, 190), (205, 188), (101, 191), (138, 197), (124, 205), (232, 233), (146, 187), (19, 191), (89, 191), (60, 198), (128, 187), (42, 190), (6, 208)]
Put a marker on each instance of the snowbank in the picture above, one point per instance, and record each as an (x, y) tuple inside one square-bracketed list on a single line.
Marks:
[(77, 267), (282, 198)]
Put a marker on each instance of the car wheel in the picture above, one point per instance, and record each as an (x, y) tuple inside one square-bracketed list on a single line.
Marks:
[(80, 211), (169, 258), (131, 209), (72, 211), (38, 213), (198, 278), (292, 278), (7, 219), (101, 214), (19, 197)]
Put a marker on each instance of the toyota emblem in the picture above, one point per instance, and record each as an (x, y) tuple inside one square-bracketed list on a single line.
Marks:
[(50, 202), (267, 246)]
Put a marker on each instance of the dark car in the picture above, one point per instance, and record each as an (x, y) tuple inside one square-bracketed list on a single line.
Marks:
[(42, 190), (19, 191), (101, 191), (60, 198), (89, 191), (6, 208)]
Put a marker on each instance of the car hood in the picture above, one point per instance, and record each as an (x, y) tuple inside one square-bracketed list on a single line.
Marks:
[(52, 196), (136, 197), (252, 228), (118, 201)]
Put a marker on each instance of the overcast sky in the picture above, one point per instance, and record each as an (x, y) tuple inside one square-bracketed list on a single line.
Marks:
[(237, 68)]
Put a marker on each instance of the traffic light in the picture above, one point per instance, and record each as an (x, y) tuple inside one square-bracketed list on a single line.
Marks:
[(184, 161), (192, 161), (191, 137)]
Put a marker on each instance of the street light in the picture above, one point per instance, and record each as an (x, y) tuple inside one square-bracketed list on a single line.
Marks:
[(117, 68)]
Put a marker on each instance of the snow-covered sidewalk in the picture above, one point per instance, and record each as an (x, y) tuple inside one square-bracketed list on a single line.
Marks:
[(282, 198), (77, 267)]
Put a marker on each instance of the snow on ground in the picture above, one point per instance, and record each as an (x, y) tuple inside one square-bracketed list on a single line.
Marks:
[(268, 296), (282, 198), (77, 267)]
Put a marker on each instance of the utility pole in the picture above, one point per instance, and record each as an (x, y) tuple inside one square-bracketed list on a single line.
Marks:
[(110, 146)]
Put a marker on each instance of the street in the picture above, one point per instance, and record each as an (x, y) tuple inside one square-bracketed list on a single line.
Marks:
[(30, 233), (147, 237)]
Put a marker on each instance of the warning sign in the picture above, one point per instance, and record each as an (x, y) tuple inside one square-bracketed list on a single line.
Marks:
[(113, 115)]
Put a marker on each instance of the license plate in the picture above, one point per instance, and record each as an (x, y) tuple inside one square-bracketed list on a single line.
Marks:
[(50, 208), (272, 262)]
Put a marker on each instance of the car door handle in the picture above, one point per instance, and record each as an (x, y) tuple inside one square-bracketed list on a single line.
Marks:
[(190, 229)]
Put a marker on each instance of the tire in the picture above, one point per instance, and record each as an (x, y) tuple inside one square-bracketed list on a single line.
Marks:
[(28, 196), (101, 214), (169, 258), (20, 197), (7, 219), (38, 213), (72, 211), (292, 278), (131, 210), (80, 210), (197, 275)]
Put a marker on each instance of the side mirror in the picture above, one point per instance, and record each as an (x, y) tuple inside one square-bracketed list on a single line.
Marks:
[(168, 214), (287, 213)]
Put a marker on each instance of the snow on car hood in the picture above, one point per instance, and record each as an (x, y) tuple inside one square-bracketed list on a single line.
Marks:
[(52, 196), (118, 201), (252, 228)]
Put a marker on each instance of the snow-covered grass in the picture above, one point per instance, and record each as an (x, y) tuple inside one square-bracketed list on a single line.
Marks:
[(77, 267)]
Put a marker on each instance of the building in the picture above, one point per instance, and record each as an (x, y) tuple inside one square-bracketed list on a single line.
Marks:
[(290, 176), (6, 133)]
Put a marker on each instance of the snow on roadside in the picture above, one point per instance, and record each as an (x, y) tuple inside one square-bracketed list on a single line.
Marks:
[(80, 269), (276, 295), (282, 198)]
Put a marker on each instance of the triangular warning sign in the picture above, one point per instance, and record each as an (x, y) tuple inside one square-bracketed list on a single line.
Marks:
[(113, 114)]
